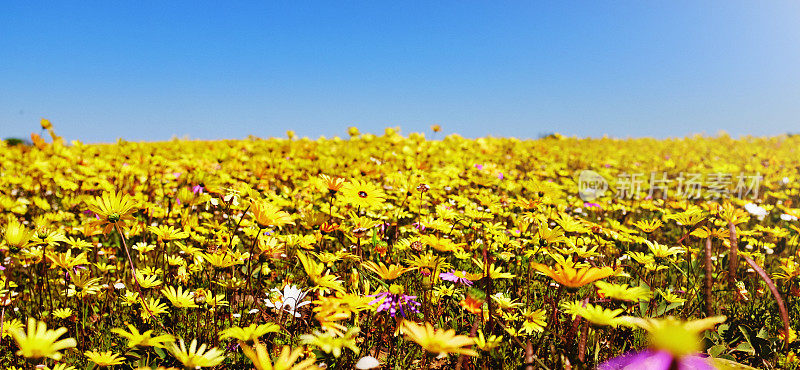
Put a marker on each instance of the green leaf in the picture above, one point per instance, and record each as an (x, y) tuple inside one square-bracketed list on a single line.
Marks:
[(716, 350), (745, 347), (723, 364)]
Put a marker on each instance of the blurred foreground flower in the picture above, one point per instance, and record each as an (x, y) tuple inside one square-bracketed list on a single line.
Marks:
[(40, 342), (438, 341), (674, 344)]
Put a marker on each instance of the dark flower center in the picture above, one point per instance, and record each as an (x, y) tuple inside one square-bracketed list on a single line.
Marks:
[(362, 194)]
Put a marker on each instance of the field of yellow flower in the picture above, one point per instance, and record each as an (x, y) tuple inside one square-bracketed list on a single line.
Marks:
[(400, 252)]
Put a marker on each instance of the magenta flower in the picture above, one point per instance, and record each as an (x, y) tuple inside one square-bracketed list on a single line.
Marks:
[(456, 277), (656, 360), (394, 300), (197, 189)]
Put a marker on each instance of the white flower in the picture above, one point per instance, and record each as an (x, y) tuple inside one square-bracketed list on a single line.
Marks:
[(788, 217), (367, 362), (119, 286), (289, 300), (755, 210)]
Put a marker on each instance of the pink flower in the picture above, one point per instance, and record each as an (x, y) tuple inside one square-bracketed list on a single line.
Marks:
[(456, 277)]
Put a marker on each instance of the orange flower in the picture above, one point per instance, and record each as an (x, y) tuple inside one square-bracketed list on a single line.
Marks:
[(471, 304), (574, 278), (333, 183), (38, 142), (328, 227)]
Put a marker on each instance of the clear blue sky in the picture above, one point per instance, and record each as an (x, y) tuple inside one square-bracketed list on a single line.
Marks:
[(150, 70)]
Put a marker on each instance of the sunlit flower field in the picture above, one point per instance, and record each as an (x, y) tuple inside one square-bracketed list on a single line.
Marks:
[(400, 252)]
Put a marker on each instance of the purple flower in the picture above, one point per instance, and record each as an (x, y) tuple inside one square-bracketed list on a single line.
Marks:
[(500, 176), (656, 360), (395, 300), (479, 166), (197, 189), (456, 277), (589, 205)]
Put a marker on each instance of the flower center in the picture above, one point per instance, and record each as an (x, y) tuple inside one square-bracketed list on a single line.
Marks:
[(396, 289), (362, 194)]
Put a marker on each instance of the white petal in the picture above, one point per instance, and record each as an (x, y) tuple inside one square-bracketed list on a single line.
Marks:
[(367, 362)]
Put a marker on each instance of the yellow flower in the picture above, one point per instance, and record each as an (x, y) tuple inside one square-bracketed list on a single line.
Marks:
[(594, 314), (495, 272), (363, 194), (46, 125), (333, 343), (574, 278), (249, 334), (662, 251), (534, 321), (179, 297), (113, 209), (196, 357), (438, 341), (792, 336), (623, 292), (146, 339), (487, 344), (62, 313), (316, 271), (221, 260), (267, 214), (104, 359), (648, 226), (285, 361), (16, 235), (147, 281), (167, 233), (154, 308), (386, 273), (39, 342), (672, 335), (10, 327), (669, 296), (66, 261)]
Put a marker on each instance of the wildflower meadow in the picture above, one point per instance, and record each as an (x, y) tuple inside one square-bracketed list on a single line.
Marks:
[(400, 251)]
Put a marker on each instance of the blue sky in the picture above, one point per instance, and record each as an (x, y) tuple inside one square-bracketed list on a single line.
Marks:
[(151, 70)]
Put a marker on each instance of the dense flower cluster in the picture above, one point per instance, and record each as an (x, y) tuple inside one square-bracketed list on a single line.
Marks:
[(387, 251)]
